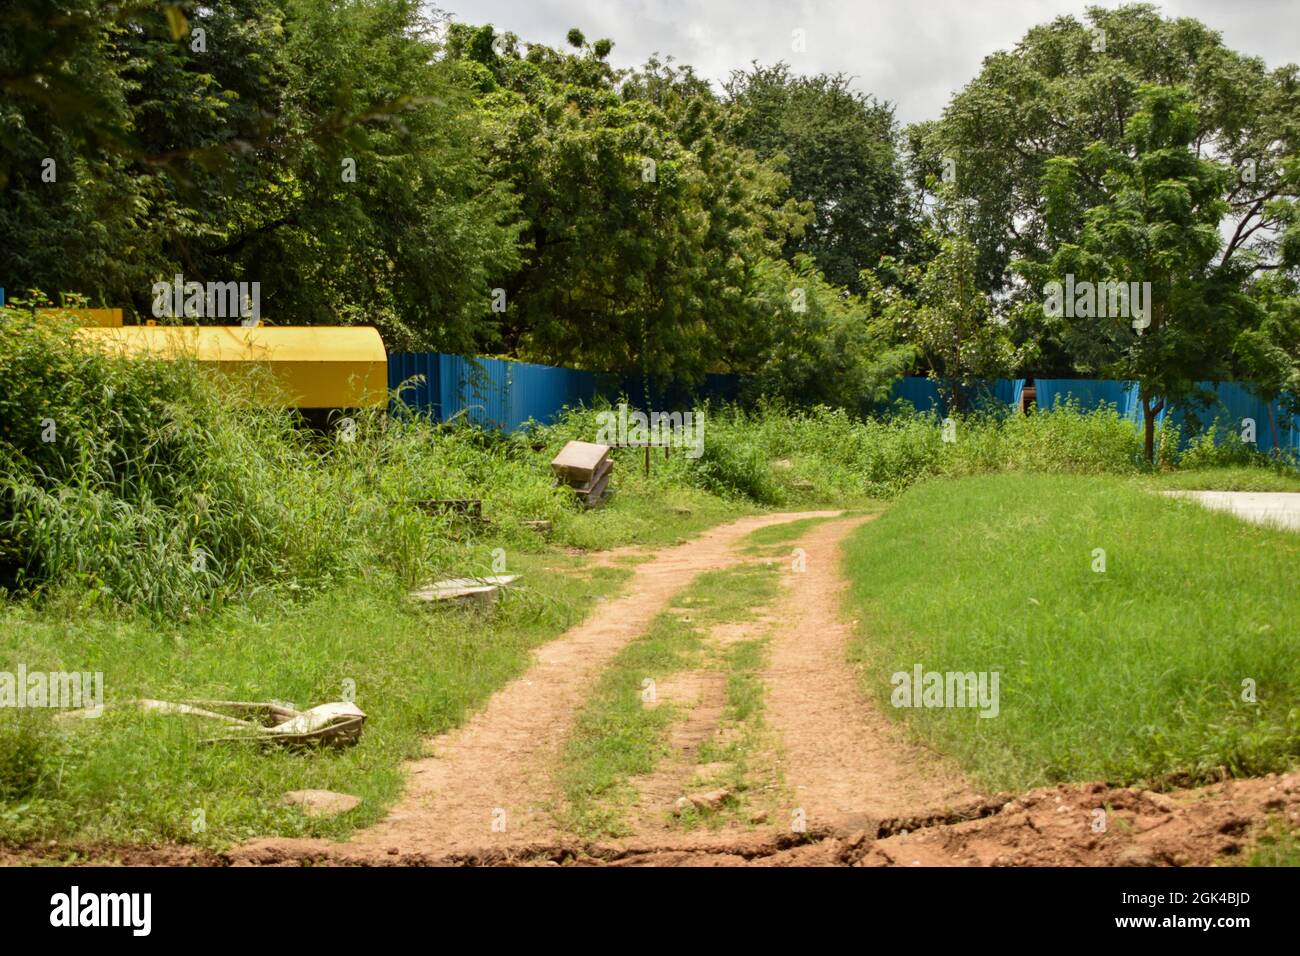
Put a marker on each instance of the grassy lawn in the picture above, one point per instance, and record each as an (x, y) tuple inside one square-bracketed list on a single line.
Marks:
[(1131, 675), (617, 736), (1228, 479), (129, 776)]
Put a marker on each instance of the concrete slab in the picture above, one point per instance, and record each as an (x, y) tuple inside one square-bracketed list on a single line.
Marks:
[(457, 589), (1277, 508), (579, 460)]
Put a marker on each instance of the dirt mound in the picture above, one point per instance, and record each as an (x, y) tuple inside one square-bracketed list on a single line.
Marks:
[(1096, 825), (1053, 826)]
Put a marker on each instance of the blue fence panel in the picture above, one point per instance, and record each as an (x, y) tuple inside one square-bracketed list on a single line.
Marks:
[(476, 390), (922, 393), (492, 393), (1090, 393), (1233, 403), (541, 391), (998, 393), (1008, 391), (424, 395), (502, 394), (926, 395)]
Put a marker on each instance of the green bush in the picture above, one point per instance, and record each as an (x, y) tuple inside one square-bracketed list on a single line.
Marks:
[(1065, 439), (735, 466), (1209, 449)]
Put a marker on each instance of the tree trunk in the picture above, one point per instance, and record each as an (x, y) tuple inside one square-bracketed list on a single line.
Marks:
[(1149, 413), (1149, 433)]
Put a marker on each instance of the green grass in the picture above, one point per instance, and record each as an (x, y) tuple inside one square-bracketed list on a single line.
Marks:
[(649, 513), (310, 542), (1279, 845), (774, 535), (616, 735), (742, 744), (127, 776), (775, 541), (1228, 479), (1131, 675)]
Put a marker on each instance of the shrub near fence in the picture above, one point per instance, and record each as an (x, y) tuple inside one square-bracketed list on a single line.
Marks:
[(504, 394)]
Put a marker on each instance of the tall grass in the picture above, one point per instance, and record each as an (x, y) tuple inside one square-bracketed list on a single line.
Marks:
[(158, 485), (780, 456)]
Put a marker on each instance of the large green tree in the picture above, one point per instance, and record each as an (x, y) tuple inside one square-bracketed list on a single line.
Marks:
[(1180, 305), (815, 343), (940, 310), (838, 148), (323, 150), (642, 225), (1071, 83)]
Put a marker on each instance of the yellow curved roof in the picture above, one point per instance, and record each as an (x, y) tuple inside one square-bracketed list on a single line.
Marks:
[(316, 366)]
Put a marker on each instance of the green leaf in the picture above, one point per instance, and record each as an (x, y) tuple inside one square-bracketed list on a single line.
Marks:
[(176, 20)]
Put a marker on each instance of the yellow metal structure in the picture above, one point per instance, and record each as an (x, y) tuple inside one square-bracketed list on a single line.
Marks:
[(106, 318), (314, 366)]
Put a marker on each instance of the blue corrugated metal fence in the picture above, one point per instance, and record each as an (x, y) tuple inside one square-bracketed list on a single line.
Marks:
[(503, 394), (493, 393)]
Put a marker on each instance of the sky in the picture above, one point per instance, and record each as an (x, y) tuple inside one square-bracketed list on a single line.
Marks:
[(913, 53)]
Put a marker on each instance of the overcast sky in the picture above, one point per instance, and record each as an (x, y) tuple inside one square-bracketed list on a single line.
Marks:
[(914, 53)]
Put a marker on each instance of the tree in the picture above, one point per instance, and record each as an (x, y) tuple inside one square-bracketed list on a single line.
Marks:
[(838, 147), (70, 205), (324, 151), (1155, 236), (1269, 353), (374, 202), (941, 310), (814, 343), (1068, 84), (642, 225)]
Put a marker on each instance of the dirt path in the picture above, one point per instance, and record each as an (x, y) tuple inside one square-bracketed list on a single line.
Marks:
[(847, 763), (488, 783)]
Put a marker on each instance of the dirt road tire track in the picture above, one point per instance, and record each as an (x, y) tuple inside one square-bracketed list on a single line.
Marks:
[(843, 758)]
